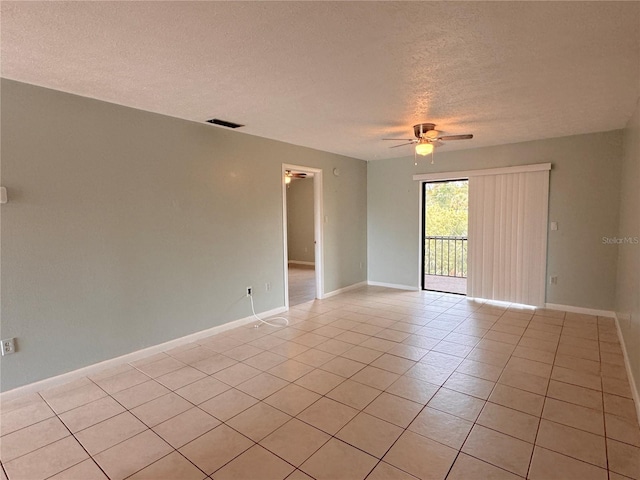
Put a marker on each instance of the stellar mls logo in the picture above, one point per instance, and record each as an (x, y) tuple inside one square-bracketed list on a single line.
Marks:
[(620, 240)]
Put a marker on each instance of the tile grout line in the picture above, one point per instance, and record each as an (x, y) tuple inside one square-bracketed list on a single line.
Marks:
[(484, 406), (74, 437), (544, 403)]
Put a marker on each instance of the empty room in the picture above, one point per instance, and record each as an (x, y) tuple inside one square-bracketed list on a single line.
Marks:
[(325, 240)]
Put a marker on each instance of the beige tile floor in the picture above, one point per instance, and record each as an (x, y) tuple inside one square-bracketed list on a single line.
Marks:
[(302, 284), (374, 383)]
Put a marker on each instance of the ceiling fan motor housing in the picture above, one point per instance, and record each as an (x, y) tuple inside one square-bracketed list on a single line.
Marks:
[(425, 128)]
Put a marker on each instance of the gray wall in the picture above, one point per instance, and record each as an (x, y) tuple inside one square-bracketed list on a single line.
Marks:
[(125, 229), (628, 282), (584, 200), (300, 228)]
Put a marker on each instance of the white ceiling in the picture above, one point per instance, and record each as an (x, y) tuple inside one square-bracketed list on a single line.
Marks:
[(339, 76)]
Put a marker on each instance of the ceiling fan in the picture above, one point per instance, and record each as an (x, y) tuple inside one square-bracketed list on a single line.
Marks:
[(427, 137), (289, 175)]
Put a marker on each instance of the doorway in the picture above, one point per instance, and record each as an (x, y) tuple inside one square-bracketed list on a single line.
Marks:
[(445, 207), (302, 215)]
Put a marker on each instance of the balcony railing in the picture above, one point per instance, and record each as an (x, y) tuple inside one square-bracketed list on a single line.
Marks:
[(445, 256)]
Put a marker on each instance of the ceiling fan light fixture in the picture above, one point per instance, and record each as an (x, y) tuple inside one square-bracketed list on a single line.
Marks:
[(424, 148)]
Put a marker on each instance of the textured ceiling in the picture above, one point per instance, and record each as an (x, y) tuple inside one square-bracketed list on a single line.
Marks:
[(339, 76)]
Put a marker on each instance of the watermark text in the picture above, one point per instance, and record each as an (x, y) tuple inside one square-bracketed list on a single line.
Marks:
[(620, 240)]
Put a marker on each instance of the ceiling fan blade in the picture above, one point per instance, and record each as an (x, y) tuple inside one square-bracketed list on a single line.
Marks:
[(456, 137), (401, 139), (403, 144)]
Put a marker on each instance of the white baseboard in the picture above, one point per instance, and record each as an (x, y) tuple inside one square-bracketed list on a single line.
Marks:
[(130, 357), (344, 289), (586, 311), (627, 365), (300, 262), (393, 285)]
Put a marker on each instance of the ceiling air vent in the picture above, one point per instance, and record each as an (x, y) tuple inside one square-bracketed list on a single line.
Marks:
[(224, 123)]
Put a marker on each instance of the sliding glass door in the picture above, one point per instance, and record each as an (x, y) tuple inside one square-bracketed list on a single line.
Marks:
[(445, 223)]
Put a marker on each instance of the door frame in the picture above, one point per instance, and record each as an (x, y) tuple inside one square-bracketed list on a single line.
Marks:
[(318, 228), (423, 223)]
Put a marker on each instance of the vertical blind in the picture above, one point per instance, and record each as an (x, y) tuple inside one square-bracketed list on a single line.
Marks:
[(508, 236)]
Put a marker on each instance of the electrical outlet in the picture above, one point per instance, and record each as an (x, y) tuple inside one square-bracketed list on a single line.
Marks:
[(267, 287), (8, 346), (553, 280), (249, 291)]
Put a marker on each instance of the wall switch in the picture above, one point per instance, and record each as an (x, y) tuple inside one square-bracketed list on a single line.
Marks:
[(554, 226), (8, 346), (553, 280), (267, 287)]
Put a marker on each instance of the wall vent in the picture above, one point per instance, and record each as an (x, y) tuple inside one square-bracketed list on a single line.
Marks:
[(224, 123)]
